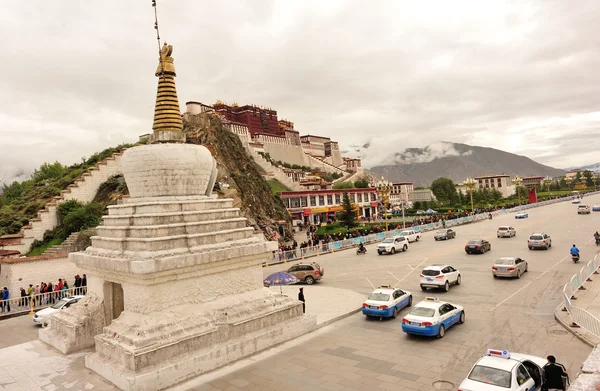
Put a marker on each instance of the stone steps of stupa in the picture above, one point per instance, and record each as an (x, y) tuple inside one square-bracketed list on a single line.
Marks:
[(171, 242), (136, 207), (154, 231), (150, 219)]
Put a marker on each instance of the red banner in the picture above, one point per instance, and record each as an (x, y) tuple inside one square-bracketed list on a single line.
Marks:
[(532, 193)]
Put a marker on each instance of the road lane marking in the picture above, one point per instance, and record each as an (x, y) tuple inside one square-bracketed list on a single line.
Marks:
[(409, 273), (411, 268), (532, 281), (370, 283), (392, 274)]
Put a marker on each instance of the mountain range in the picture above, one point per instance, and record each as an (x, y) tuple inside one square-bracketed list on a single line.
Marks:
[(455, 161), (591, 167)]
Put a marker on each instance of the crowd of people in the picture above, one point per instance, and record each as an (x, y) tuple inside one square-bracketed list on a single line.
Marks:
[(44, 293)]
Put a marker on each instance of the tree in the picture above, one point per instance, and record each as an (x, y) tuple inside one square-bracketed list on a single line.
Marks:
[(417, 205), (589, 180), (48, 171), (598, 181), (348, 215), (343, 185), (444, 191), (563, 184), (361, 183)]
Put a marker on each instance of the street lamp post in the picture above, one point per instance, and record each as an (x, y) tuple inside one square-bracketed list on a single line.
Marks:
[(470, 184), (547, 182), (569, 180), (384, 188), (518, 181), (403, 220)]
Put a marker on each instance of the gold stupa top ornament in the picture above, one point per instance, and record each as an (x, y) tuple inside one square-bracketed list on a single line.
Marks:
[(168, 126)]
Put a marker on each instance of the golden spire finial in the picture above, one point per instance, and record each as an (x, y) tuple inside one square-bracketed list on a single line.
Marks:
[(167, 125)]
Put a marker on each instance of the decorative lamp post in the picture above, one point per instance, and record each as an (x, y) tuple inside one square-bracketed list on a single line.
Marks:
[(383, 189), (548, 182), (470, 184), (518, 182)]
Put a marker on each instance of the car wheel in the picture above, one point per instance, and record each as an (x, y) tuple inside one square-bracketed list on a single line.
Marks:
[(550, 245), (531, 248), (458, 280), (405, 248), (409, 301), (393, 250), (490, 248), (547, 247), (526, 267), (309, 280), (495, 276), (436, 239), (462, 318), (498, 236), (446, 286), (417, 239), (519, 273), (395, 312), (442, 331), (423, 288)]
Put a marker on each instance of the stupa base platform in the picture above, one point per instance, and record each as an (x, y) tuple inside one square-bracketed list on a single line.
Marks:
[(179, 364)]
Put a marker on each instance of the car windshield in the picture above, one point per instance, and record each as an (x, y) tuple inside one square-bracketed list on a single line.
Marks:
[(536, 237), (441, 232), (503, 229), (377, 296), (474, 242), (428, 272), (388, 240), (422, 311), (404, 233), (492, 376), (60, 304), (504, 261)]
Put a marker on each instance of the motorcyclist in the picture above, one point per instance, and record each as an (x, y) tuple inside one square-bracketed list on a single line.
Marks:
[(490, 216), (574, 250), (597, 236), (361, 248)]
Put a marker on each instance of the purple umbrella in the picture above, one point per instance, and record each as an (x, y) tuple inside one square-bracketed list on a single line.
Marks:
[(280, 278)]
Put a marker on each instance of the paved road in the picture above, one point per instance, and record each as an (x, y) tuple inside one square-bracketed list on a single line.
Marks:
[(18, 330), (360, 354)]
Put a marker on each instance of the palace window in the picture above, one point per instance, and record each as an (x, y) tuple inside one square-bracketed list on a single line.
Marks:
[(373, 197), (329, 199), (337, 199), (321, 200), (303, 201), (313, 200), (295, 202), (359, 195)]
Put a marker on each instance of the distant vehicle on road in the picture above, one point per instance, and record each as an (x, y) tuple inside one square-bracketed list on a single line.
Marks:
[(308, 273), (411, 235), (445, 234), (439, 276), (539, 240), (500, 370), (576, 201), (596, 208), (506, 231), (583, 210), (478, 246), (386, 302), (509, 267), (522, 215), (392, 245), (42, 316), (432, 318)]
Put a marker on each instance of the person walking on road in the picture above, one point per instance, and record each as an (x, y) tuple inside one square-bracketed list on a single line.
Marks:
[(301, 298), (6, 301), (555, 375)]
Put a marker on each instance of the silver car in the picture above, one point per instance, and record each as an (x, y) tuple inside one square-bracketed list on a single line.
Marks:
[(539, 240), (506, 231), (509, 267)]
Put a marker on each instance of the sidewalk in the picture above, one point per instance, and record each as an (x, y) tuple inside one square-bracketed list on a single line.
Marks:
[(35, 366)]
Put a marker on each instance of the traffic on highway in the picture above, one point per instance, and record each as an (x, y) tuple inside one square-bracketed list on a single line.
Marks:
[(486, 291)]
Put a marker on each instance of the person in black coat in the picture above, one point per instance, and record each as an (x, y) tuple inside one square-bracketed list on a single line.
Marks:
[(301, 298)]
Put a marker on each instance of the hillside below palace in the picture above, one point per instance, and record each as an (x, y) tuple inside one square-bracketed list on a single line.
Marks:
[(260, 130)]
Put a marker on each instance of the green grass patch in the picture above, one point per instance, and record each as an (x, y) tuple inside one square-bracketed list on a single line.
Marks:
[(276, 186), (554, 193), (39, 250)]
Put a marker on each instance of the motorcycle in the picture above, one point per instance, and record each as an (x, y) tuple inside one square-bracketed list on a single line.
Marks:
[(490, 216), (598, 241), (575, 258), (359, 251)]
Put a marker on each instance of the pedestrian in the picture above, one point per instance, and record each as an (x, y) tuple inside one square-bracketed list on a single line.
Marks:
[(23, 301), (554, 375), (5, 300), (301, 298)]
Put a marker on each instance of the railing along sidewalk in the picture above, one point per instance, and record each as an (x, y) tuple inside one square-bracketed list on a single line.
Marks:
[(579, 316), (26, 304)]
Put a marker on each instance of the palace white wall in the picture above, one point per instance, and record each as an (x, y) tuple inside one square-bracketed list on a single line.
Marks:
[(22, 272), (287, 153)]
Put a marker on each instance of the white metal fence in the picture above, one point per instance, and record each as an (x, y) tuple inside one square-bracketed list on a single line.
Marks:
[(24, 304), (579, 316), (326, 248)]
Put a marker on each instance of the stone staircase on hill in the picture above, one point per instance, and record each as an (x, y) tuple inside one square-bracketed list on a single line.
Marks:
[(70, 244), (315, 162), (273, 171), (83, 190)]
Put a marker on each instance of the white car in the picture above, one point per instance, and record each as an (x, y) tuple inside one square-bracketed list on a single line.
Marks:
[(392, 245), (411, 235), (506, 231), (432, 317), (42, 316), (500, 370), (583, 209), (386, 302), (439, 276), (522, 215), (576, 201)]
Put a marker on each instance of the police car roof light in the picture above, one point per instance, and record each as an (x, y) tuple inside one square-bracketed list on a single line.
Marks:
[(432, 299), (385, 286), (498, 353)]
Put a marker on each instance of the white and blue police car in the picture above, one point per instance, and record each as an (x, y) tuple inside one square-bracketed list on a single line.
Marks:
[(522, 215), (432, 318), (386, 302), (502, 370)]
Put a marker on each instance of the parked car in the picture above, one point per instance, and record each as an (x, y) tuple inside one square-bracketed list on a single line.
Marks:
[(392, 245), (509, 267), (522, 215), (539, 240), (506, 231), (386, 302), (42, 316), (445, 234), (411, 235), (307, 272), (439, 276), (583, 210), (432, 318), (478, 246)]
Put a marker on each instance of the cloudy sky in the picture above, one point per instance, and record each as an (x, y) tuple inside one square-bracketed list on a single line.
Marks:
[(520, 76)]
